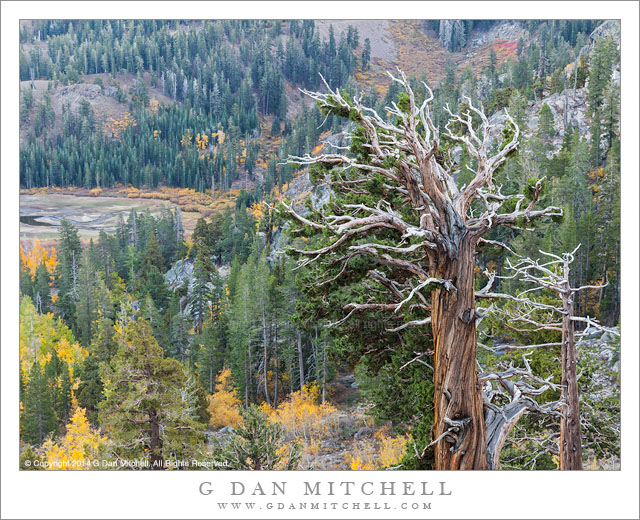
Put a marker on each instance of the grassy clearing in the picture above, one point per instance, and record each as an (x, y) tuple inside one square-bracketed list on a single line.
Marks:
[(99, 209)]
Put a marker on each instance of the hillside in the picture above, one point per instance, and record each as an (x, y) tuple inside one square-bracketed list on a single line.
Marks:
[(412, 46)]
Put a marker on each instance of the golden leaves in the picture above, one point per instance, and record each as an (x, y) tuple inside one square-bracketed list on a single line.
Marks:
[(116, 126), (37, 255), (382, 451), (220, 135), (43, 336), (258, 211), (224, 405), (301, 415), (79, 447)]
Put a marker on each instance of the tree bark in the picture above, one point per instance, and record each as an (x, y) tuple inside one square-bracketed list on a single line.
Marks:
[(266, 355), (277, 363), (157, 461), (498, 428), (300, 361), (570, 439), (458, 397)]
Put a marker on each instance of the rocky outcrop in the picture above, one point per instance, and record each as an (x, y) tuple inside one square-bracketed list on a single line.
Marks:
[(508, 30), (85, 90), (604, 30), (569, 109), (451, 34), (181, 273)]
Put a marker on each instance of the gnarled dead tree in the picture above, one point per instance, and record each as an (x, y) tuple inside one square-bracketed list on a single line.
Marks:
[(550, 275), (436, 224), (507, 395)]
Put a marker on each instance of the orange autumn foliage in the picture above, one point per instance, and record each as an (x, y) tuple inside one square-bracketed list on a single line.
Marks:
[(302, 416), (79, 447), (115, 127), (37, 255), (224, 405), (382, 451)]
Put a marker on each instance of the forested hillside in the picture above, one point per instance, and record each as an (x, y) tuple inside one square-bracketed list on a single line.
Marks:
[(302, 313), (221, 83)]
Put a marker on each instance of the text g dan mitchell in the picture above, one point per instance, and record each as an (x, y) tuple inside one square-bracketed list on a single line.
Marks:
[(327, 488)]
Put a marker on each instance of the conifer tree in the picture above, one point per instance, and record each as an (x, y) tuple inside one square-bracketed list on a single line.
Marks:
[(366, 54), (150, 411), (199, 297), (414, 202), (258, 444), (69, 255), (39, 416), (41, 291), (88, 297)]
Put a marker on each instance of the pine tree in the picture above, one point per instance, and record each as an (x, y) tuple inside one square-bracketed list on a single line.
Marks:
[(199, 296), (87, 300), (152, 257), (39, 417), (180, 338), (63, 394), (41, 291), (242, 332), (157, 288), (366, 54), (69, 254), (212, 350), (258, 444), (150, 410), (90, 389), (546, 130)]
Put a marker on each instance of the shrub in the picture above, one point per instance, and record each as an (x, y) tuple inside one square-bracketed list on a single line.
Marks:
[(383, 451), (78, 448), (224, 405), (259, 444), (302, 417)]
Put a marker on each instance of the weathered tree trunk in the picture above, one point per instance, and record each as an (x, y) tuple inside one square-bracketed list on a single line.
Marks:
[(499, 425), (157, 462), (458, 398), (300, 361), (570, 439), (265, 355), (277, 363), (324, 369), (211, 370)]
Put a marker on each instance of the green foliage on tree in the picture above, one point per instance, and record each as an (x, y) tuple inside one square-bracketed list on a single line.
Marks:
[(39, 416), (259, 445), (150, 411)]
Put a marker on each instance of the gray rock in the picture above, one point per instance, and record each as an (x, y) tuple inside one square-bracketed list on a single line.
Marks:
[(363, 433), (180, 273), (607, 28), (85, 90)]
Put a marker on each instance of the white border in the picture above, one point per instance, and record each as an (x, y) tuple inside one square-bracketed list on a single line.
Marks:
[(148, 495)]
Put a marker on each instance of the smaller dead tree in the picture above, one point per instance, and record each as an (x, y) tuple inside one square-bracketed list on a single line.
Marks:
[(517, 389), (551, 275)]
